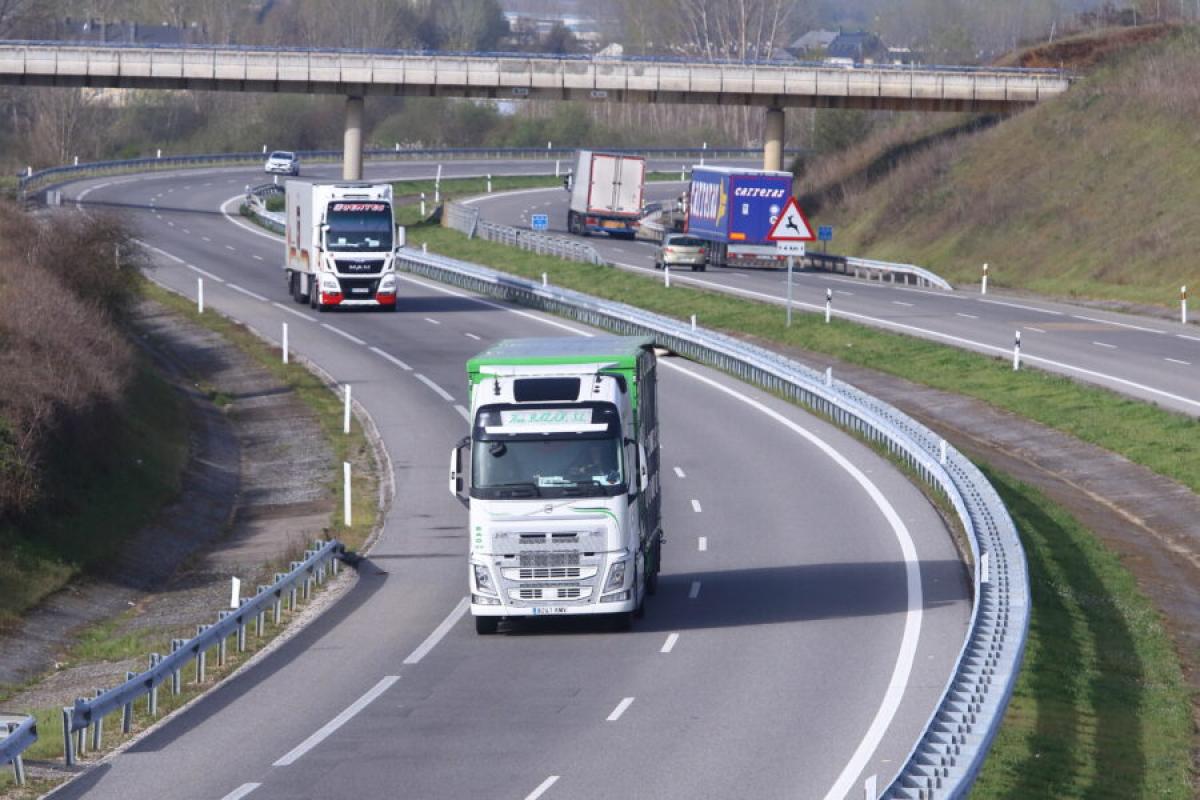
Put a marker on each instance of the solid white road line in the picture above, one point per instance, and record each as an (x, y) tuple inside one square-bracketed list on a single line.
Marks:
[(679, 472), (542, 787), (439, 632), (1104, 344), (241, 791), (912, 569), (620, 709), (441, 392), (1177, 361), (1118, 324), (337, 722), (293, 311), (342, 333), (669, 644), (463, 412), (247, 292), (702, 544), (392, 359), (694, 592), (695, 505), (1189, 338), (205, 273)]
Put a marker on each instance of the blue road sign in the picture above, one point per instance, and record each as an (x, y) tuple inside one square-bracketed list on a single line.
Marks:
[(825, 233), (539, 222)]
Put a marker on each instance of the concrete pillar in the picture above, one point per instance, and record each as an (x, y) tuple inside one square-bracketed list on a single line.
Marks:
[(352, 141), (773, 140)]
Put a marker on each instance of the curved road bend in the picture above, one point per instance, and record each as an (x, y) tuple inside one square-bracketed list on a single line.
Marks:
[(1150, 359), (810, 609)]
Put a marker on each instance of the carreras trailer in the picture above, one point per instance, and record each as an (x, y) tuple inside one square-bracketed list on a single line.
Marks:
[(561, 478), (734, 208)]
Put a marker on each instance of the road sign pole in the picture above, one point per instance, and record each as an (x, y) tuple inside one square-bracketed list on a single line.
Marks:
[(789, 292)]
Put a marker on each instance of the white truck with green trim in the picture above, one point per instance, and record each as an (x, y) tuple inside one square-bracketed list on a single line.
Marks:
[(561, 478)]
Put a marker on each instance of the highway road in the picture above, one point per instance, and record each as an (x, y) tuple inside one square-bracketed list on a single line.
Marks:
[(1149, 359), (810, 609)]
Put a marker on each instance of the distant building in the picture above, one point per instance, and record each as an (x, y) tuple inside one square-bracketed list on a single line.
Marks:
[(102, 32), (857, 48), (903, 55), (812, 44)]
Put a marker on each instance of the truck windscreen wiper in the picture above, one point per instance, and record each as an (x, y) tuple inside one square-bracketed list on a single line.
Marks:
[(532, 487)]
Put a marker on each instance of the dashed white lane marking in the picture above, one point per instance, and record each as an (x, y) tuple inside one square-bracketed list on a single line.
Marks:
[(439, 632), (432, 321), (694, 592), (1117, 324), (205, 238), (231, 248), (669, 644), (205, 273), (172, 224), (341, 719), (462, 412), (342, 333), (1105, 344), (186, 231), (241, 791), (542, 788), (620, 709), (901, 303), (1035, 330), (248, 293), (1023, 307), (1177, 361), (702, 543), (257, 258), (293, 311), (441, 392), (696, 505), (472, 336), (968, 316), (843, 291), (1189, 338), (679, 472), (392, 359)]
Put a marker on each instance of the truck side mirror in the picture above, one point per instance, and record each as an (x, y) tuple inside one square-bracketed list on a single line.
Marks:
[(401, 236), (457, 477)]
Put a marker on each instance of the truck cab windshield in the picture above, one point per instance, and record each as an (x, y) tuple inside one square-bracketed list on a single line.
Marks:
[(547, 466), (358, 227)]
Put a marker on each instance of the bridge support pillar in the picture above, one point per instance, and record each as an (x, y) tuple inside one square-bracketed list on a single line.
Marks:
[(773, 140), (352, 140)]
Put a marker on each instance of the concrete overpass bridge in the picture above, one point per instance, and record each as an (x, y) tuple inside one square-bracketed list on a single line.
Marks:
[(356, 74)]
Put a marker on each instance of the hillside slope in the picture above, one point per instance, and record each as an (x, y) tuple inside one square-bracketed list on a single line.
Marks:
[(1094, 194)]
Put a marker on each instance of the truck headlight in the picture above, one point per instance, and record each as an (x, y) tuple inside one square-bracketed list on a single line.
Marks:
[(483, 579), (388, 284), (329, 284), (616, 576)]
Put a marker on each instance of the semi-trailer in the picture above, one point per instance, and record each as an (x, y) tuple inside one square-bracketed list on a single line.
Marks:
[(606, 194), (560, 476), (734, 210)]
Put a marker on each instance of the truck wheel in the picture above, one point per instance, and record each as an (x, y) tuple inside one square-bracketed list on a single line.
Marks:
[(486, 626), (652, 578)]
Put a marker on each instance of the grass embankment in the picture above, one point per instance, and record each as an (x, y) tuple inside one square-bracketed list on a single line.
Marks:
[(1091, 194), (1119, 698), (109, 500)]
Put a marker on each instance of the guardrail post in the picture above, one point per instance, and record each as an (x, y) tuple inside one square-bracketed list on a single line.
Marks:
[(98, 728), (201, 657), (18, 763), (68, 742), (127, 709), (176, 674), (81, 734), (278, 608), (152, 698), (260, 619), (223, 645)]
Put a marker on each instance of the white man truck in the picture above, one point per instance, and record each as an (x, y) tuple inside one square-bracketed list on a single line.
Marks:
[(341, 243), (560, 476), (606, 194)]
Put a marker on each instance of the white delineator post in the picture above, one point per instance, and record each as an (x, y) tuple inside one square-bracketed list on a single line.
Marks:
[(556, 167), (1183, 304), (1017, 352), (489, 184), (346, 492), (693, 323), (437, 186), (789, 292), (285, 343), (346, 411), (199, 295), (667, 276), (545, 280), (235, 592), (828, 305), (422, 205), (983, 284)]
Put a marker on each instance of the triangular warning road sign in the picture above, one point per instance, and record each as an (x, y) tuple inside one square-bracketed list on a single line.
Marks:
[(791, 226)]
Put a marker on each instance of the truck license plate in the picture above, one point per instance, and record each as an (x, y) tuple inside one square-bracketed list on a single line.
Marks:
[(538, 611)]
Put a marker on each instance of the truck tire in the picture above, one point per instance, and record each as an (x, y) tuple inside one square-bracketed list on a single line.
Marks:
[(652, 578), (486, 626)]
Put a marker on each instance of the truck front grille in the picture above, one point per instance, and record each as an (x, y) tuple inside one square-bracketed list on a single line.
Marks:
[(559, 593), (359, 288), (359, 267)]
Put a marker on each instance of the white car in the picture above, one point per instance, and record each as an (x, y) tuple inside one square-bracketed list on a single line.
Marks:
[(283, 162)]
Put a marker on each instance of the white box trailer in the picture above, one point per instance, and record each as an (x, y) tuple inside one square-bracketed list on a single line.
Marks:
[(606, 194), (341, 242)]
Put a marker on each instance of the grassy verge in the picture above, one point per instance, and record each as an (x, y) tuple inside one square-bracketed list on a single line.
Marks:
[(1101, 709), (1160, 440), (107, 502), (470, 186)]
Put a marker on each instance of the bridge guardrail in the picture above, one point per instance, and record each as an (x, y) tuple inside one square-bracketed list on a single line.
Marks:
[(948, 755), (19, 736), (319, 562)]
